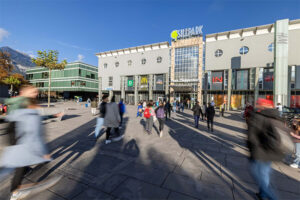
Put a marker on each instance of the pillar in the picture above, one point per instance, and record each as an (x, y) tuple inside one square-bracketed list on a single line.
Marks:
[(136, 80), (280, 87), (100, 88), (256, 85), (150, 83), (167, 87), (123, 87), (229, 89)]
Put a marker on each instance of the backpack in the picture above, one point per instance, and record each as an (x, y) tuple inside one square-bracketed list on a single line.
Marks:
[(147, 113), (160, 113)]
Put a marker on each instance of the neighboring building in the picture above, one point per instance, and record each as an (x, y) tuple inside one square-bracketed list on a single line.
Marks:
[(77, 79), (241, 65), (135, 74), (186, 64)]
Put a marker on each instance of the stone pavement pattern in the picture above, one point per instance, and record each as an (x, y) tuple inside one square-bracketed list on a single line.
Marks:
[(186, 163)]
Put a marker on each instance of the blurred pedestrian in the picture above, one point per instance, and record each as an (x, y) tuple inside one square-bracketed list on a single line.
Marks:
[(112, 119), (148, 114), (196, 112), (264, 143), (94, 107), (296, 138), (122, 110), (168, 108), (174, 106), (139, 110), (210, 114), (204, 110), (100, 119), (160, 114), (248, 112), (27, 146)]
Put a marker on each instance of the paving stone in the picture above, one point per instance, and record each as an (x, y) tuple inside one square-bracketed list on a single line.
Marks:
[(197, 188), (46, 194), (67, 188), (92, 194), (134, 189), (111, 183), (178, 196)]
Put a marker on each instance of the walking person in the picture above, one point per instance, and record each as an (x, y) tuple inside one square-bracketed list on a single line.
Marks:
[(94, 107), (122, 110), (196, 111), (112, 119), (204, 107), (148, 114), (28, 146), (296, 138), (139, 110), (222, 109), (264, 145), (168, 110), (160, 114), (182, 106), (100, 119), (210, 114)]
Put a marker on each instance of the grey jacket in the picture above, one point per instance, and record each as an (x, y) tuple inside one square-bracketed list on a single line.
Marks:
[(30, 147), (112, 115)]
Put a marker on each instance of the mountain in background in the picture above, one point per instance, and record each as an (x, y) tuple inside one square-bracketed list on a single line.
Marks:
[(20, 60)]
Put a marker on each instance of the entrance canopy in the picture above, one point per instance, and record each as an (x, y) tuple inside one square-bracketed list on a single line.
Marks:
[(182, 88)]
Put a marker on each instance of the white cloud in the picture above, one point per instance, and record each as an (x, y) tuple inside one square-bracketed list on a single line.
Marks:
[(80, 57), (72, 46), (3, 34)]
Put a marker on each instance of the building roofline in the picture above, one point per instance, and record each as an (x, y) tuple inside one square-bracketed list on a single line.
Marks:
[(71, 63), (134, 48)]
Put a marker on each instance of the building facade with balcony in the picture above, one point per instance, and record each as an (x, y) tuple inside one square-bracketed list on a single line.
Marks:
[(245, 64), (76, 79), (135, 74)]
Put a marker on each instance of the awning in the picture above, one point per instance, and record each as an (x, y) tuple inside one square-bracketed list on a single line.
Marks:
[(182, 88)]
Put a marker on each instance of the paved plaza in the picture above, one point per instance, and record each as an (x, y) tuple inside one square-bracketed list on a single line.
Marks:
[(186, 163)]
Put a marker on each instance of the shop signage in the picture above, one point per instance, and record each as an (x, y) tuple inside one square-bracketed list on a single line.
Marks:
[(130, 83), (216, 80), (268, 78), (159, 82), (186, 32), (144, 82)]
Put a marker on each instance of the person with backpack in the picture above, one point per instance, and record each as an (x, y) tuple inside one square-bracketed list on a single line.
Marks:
[(122, 110), (100, 119), (139, 110), (148, 114), (210, 114), (267, 137), (112, 119), (160, 114), (196, 111)]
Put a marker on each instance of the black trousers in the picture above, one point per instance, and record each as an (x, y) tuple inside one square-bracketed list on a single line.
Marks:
[(121, 116), (108, 129), (161, 122), (210, 121), (18, 177), (168, 112)]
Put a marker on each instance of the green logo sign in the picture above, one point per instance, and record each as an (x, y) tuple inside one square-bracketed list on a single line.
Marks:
[(174, 35), (130, 83)]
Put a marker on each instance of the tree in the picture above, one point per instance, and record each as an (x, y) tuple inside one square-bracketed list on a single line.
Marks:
[(6, 66), (49, 60), (12, 81)]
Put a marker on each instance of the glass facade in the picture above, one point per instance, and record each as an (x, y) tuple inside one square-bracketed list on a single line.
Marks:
[(186, 63)]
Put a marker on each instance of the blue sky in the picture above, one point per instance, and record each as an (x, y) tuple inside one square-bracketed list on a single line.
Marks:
[(80, 28)]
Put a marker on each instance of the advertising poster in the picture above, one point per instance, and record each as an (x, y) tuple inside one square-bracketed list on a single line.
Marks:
[(144, 82), (242, 80), (217, 81), (268, 80), (130, 83), (159, 82)]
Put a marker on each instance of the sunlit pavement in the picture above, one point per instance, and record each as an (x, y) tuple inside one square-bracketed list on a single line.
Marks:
[(186, 163)]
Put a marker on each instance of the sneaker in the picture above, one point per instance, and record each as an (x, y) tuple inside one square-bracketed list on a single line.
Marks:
[(160, 134), (107, 141), (294, 165)]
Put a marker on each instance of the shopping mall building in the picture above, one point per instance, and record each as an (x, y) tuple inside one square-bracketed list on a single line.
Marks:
[(135, 74), (245, 64)]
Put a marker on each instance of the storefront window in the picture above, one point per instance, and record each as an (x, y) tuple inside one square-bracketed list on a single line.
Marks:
[(186, 63)]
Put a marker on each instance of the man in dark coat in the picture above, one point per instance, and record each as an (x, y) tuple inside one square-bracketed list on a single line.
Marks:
[(210, 114), (197, 111)]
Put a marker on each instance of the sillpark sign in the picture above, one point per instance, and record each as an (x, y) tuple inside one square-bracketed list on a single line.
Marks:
[(187, 32)]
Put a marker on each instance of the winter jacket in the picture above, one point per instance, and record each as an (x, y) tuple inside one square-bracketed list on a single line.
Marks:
[(30, 145), (263, 142), (122, 107), (102, 109), (197, 110), (94, 104), (210, 112), (112, 116)]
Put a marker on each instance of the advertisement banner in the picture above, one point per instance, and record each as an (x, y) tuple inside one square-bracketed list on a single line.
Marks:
[(216, 81), (268, 80), (242, 80), (159, 82), (144, 82), (130, 83)]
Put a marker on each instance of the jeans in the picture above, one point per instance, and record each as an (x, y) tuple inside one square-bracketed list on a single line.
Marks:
[(149, 124), (261, 171), (161, 122), (297, 160), (98, 126), (174, 109), (196, 118)]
